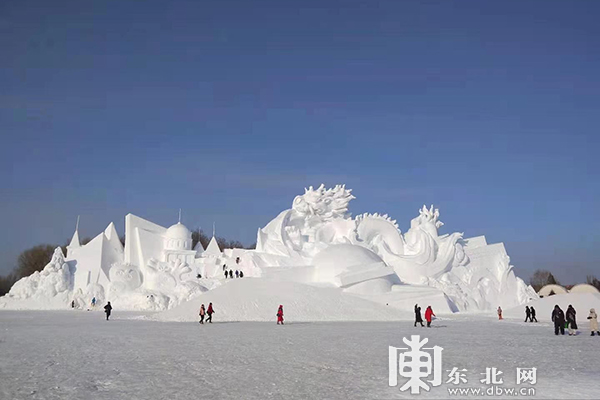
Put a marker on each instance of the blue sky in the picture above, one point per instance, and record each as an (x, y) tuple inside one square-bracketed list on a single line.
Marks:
[(228, 109)]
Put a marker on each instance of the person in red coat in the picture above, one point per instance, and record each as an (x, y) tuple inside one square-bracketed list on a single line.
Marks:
[(280, 315), (209, 312), (429, 315)]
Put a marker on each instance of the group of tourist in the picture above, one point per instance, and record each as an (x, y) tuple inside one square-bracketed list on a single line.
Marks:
[(428, 315), (530, 314), (562, 320), (229, 273), (569, 321), (208, 312)]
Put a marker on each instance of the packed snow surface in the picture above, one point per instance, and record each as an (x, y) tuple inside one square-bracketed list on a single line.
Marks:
[(76, 354), (255, 299)]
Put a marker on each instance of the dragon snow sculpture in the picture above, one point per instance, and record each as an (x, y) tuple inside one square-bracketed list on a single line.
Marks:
[(319, 219)]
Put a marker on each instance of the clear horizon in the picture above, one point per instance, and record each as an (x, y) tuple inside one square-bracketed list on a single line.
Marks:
[(488, 111)]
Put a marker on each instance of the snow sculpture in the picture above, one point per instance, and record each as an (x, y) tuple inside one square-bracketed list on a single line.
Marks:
[(296, 233), (53, 280), (346, 265), (417, 256), (473, 275), (315, 242)]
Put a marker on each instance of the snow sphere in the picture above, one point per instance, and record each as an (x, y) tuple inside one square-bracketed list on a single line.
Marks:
[(341, 259)]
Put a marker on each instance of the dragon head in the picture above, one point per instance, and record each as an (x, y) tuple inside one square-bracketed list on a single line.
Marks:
[(327, 204)]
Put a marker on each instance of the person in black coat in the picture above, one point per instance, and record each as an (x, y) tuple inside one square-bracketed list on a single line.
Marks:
[(231, 273), (558, 317), (533, 318), (418, 318), (107, 310), (571, 320), (527, 314)]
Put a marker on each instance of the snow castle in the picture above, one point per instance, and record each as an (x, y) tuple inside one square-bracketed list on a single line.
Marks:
[(316, 242)]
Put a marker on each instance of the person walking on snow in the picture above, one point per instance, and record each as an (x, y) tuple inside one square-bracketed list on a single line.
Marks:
[(558, 317), (231, 273), (225, 273), (429, 316), (241, 274), (93, 301), (571, 320), (527, 314), (499, 312), (593, 317), (210, 312), (533, 318), (237, 273), (418, 318), (107, 310), (280, 315), (202, 313)]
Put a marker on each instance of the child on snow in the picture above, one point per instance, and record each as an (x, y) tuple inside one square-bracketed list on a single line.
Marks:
[(593, 317), (280, 315), (499, 312)]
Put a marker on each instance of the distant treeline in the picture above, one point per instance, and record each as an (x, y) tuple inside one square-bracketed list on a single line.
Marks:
[(36, 258)]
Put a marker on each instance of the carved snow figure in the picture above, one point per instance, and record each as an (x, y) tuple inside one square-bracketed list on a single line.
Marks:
[(54, 280), (314, 242), (472, 274)]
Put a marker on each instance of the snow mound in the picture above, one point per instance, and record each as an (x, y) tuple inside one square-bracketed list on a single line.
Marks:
[(45, 289), (582, 302), (255, 299)]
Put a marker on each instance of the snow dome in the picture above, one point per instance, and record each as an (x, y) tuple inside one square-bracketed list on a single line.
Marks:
[(178, 237)]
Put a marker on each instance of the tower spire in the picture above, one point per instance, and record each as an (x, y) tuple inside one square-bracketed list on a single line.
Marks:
[(75, 239), (213, 229), (180, 215)]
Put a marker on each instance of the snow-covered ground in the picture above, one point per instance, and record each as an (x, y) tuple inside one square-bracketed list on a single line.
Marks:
[(78, 355), (255, 299)]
